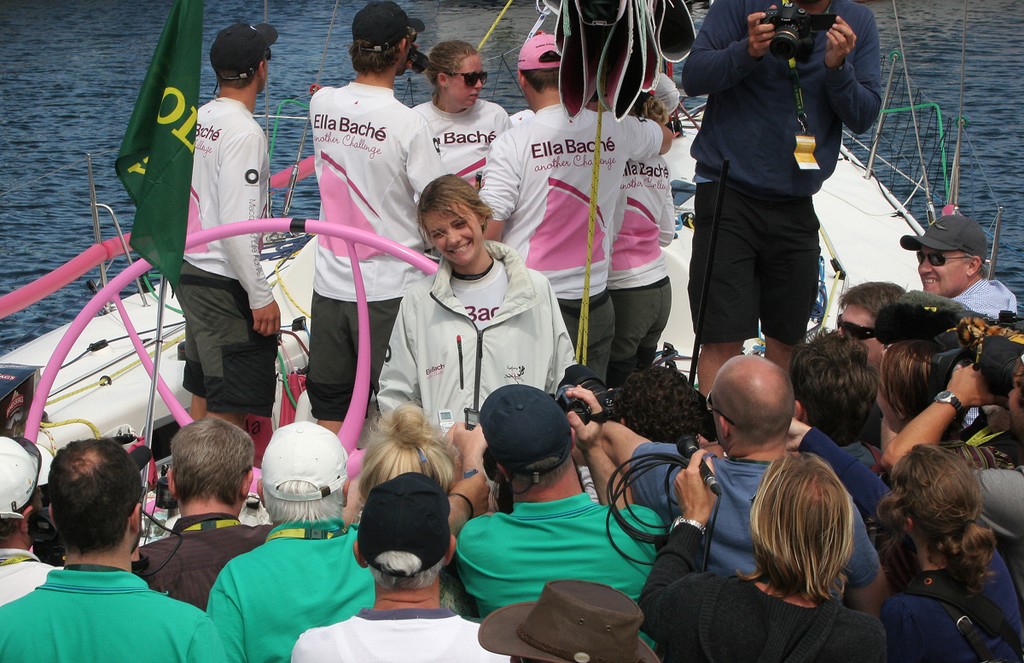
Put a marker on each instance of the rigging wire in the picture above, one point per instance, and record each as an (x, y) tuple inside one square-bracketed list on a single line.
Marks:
[(913, 116)]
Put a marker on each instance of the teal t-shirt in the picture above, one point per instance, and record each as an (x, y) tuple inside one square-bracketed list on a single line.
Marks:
[(265, 599), (104, 616), (507, 558)]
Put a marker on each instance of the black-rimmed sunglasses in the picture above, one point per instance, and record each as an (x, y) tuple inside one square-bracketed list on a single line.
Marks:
[(712, 408), (471, 77), (937, 259), (853, 330)]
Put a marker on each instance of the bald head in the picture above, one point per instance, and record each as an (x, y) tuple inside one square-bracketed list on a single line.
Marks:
[(757, 396)]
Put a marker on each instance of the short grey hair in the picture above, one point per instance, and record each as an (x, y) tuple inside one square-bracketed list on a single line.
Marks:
[(399, 561), (284, 511)]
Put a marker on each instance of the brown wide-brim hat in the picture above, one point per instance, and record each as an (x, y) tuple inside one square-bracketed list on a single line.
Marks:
[(573, 620)]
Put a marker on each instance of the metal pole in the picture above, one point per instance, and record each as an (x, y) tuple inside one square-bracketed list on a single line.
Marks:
[(158, 342), (995, 244), (869, 169), (96, 219), (706, 286)]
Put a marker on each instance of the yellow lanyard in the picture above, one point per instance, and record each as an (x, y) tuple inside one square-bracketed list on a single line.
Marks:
[(304, 533), (15, 560), (212, 524)]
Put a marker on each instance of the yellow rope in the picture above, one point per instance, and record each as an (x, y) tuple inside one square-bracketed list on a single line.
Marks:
[(53, 424), (487, 36), (107, 379), (280, 281), (583, 335)]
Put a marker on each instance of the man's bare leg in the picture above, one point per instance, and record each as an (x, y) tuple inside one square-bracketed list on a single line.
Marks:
[(198, 409), (778, 353), (712, 356), (236, 418)]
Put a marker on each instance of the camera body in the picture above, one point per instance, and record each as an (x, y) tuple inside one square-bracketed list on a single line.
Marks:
[(580, 376), (416, 60), (794, 30)]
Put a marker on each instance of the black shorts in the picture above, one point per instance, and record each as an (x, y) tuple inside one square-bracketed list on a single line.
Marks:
[(765, 266), (226, 361), (333, 343)]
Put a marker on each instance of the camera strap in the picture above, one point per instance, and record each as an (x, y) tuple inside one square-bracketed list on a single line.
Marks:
[(805, 143)]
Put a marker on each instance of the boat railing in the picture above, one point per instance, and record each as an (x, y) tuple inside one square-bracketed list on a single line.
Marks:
[(354, 418)]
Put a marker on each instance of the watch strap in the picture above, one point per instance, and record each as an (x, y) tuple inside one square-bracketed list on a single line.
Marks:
[(680, 520)]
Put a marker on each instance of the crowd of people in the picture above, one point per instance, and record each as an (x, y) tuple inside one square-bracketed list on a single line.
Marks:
[(855, 496)]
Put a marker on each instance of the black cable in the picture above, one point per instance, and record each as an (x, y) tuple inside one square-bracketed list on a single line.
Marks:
[(619, 483), (174, 550)]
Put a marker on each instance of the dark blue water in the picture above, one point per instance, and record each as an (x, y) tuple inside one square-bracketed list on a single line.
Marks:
[(70, 72)]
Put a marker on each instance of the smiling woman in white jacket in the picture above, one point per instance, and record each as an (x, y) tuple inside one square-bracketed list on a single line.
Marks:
[(483, 321)]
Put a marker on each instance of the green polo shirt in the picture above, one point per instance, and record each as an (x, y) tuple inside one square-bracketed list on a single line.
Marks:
[(507, 558), (264, 599), (108, 616)]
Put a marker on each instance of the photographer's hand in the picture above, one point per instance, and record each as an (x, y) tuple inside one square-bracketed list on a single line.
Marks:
[(587, 435), (841, 40), (694, 496), (970, 386), (470, 445), (759, 35)]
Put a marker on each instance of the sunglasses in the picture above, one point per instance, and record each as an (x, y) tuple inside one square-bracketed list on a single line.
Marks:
[(712, 408), (471, 77), (938, 259), (854, 330)]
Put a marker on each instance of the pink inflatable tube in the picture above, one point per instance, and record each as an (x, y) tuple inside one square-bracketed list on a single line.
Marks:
[(353, 424), (45, 286), (281, 178)]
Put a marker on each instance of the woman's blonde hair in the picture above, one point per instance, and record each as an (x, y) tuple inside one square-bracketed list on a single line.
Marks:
[(404, 441), (801, 523), (453, 195), (938, 491)]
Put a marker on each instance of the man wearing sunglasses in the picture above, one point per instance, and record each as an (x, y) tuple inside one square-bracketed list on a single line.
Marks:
[(951, 263), (21, 473)]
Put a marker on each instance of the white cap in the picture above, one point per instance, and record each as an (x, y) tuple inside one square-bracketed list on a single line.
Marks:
[(19, 471), (304, 451)]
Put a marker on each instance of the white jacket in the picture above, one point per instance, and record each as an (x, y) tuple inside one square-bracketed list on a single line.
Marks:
[(525, 343)]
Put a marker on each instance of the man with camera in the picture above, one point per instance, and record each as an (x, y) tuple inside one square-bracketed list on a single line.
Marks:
[(373, 157), (554, 530), (778, 120), (21, 474)]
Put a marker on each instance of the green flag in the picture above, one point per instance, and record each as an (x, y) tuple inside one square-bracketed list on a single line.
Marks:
[(155, 160)]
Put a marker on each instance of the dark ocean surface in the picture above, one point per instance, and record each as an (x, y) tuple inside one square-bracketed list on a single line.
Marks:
[(70, 72)]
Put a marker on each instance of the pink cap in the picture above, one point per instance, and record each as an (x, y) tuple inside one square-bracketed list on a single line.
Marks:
[(534, 48)]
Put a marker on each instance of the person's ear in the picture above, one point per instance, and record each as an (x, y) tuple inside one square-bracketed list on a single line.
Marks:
[(908, 525), (259, 491), (800, 412), (451, 551), (171, 486), (243, 489), (974, 265), (26, 515), (360, 560), (135, 521)]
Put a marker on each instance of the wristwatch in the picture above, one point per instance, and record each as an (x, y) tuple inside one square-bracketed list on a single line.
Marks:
[(688, 521), (950, 398)]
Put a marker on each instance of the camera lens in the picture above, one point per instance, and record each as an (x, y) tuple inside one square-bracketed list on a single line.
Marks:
[(784, 44)]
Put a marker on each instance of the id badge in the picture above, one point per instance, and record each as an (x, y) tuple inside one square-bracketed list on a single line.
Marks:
[(804, 152)]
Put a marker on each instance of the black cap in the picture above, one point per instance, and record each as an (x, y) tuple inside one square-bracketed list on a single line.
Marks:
[(383, 24), (407, 514), (526, 431), (239, 49), (950, 233)]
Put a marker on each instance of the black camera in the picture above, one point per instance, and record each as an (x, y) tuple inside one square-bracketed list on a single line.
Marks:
[(578, 375), (997, 360), (793, 30), (416, 60)]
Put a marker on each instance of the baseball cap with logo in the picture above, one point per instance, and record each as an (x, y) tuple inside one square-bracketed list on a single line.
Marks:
[(239, 49), (306, 452), (406, 514), (950, 233), (20, 465), (539, 52)]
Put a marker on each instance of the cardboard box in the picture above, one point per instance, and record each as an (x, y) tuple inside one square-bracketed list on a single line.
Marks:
[(17, 386)]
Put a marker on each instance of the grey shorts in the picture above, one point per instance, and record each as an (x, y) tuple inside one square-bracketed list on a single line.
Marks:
[(600, 332), (641, 315), (334, 335), (226, 362)]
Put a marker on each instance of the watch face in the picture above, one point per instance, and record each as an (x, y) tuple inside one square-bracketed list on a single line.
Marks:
[(944, 397)]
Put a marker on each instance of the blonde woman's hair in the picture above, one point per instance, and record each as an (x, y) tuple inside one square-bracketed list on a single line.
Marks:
[(454, 195), (939, 492), (801, 523), (404, 441)]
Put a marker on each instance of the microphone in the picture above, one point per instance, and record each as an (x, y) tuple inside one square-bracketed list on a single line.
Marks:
[(141, 456), (687, 445)]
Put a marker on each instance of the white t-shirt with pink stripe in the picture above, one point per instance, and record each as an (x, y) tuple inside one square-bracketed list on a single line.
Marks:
[(373, 157), (646, 224), (538, 180), (465, 138)]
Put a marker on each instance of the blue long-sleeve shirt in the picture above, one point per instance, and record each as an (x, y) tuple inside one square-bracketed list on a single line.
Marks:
[(751, 113)]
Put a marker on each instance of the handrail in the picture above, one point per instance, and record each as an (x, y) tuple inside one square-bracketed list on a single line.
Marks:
[(353, 424)]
